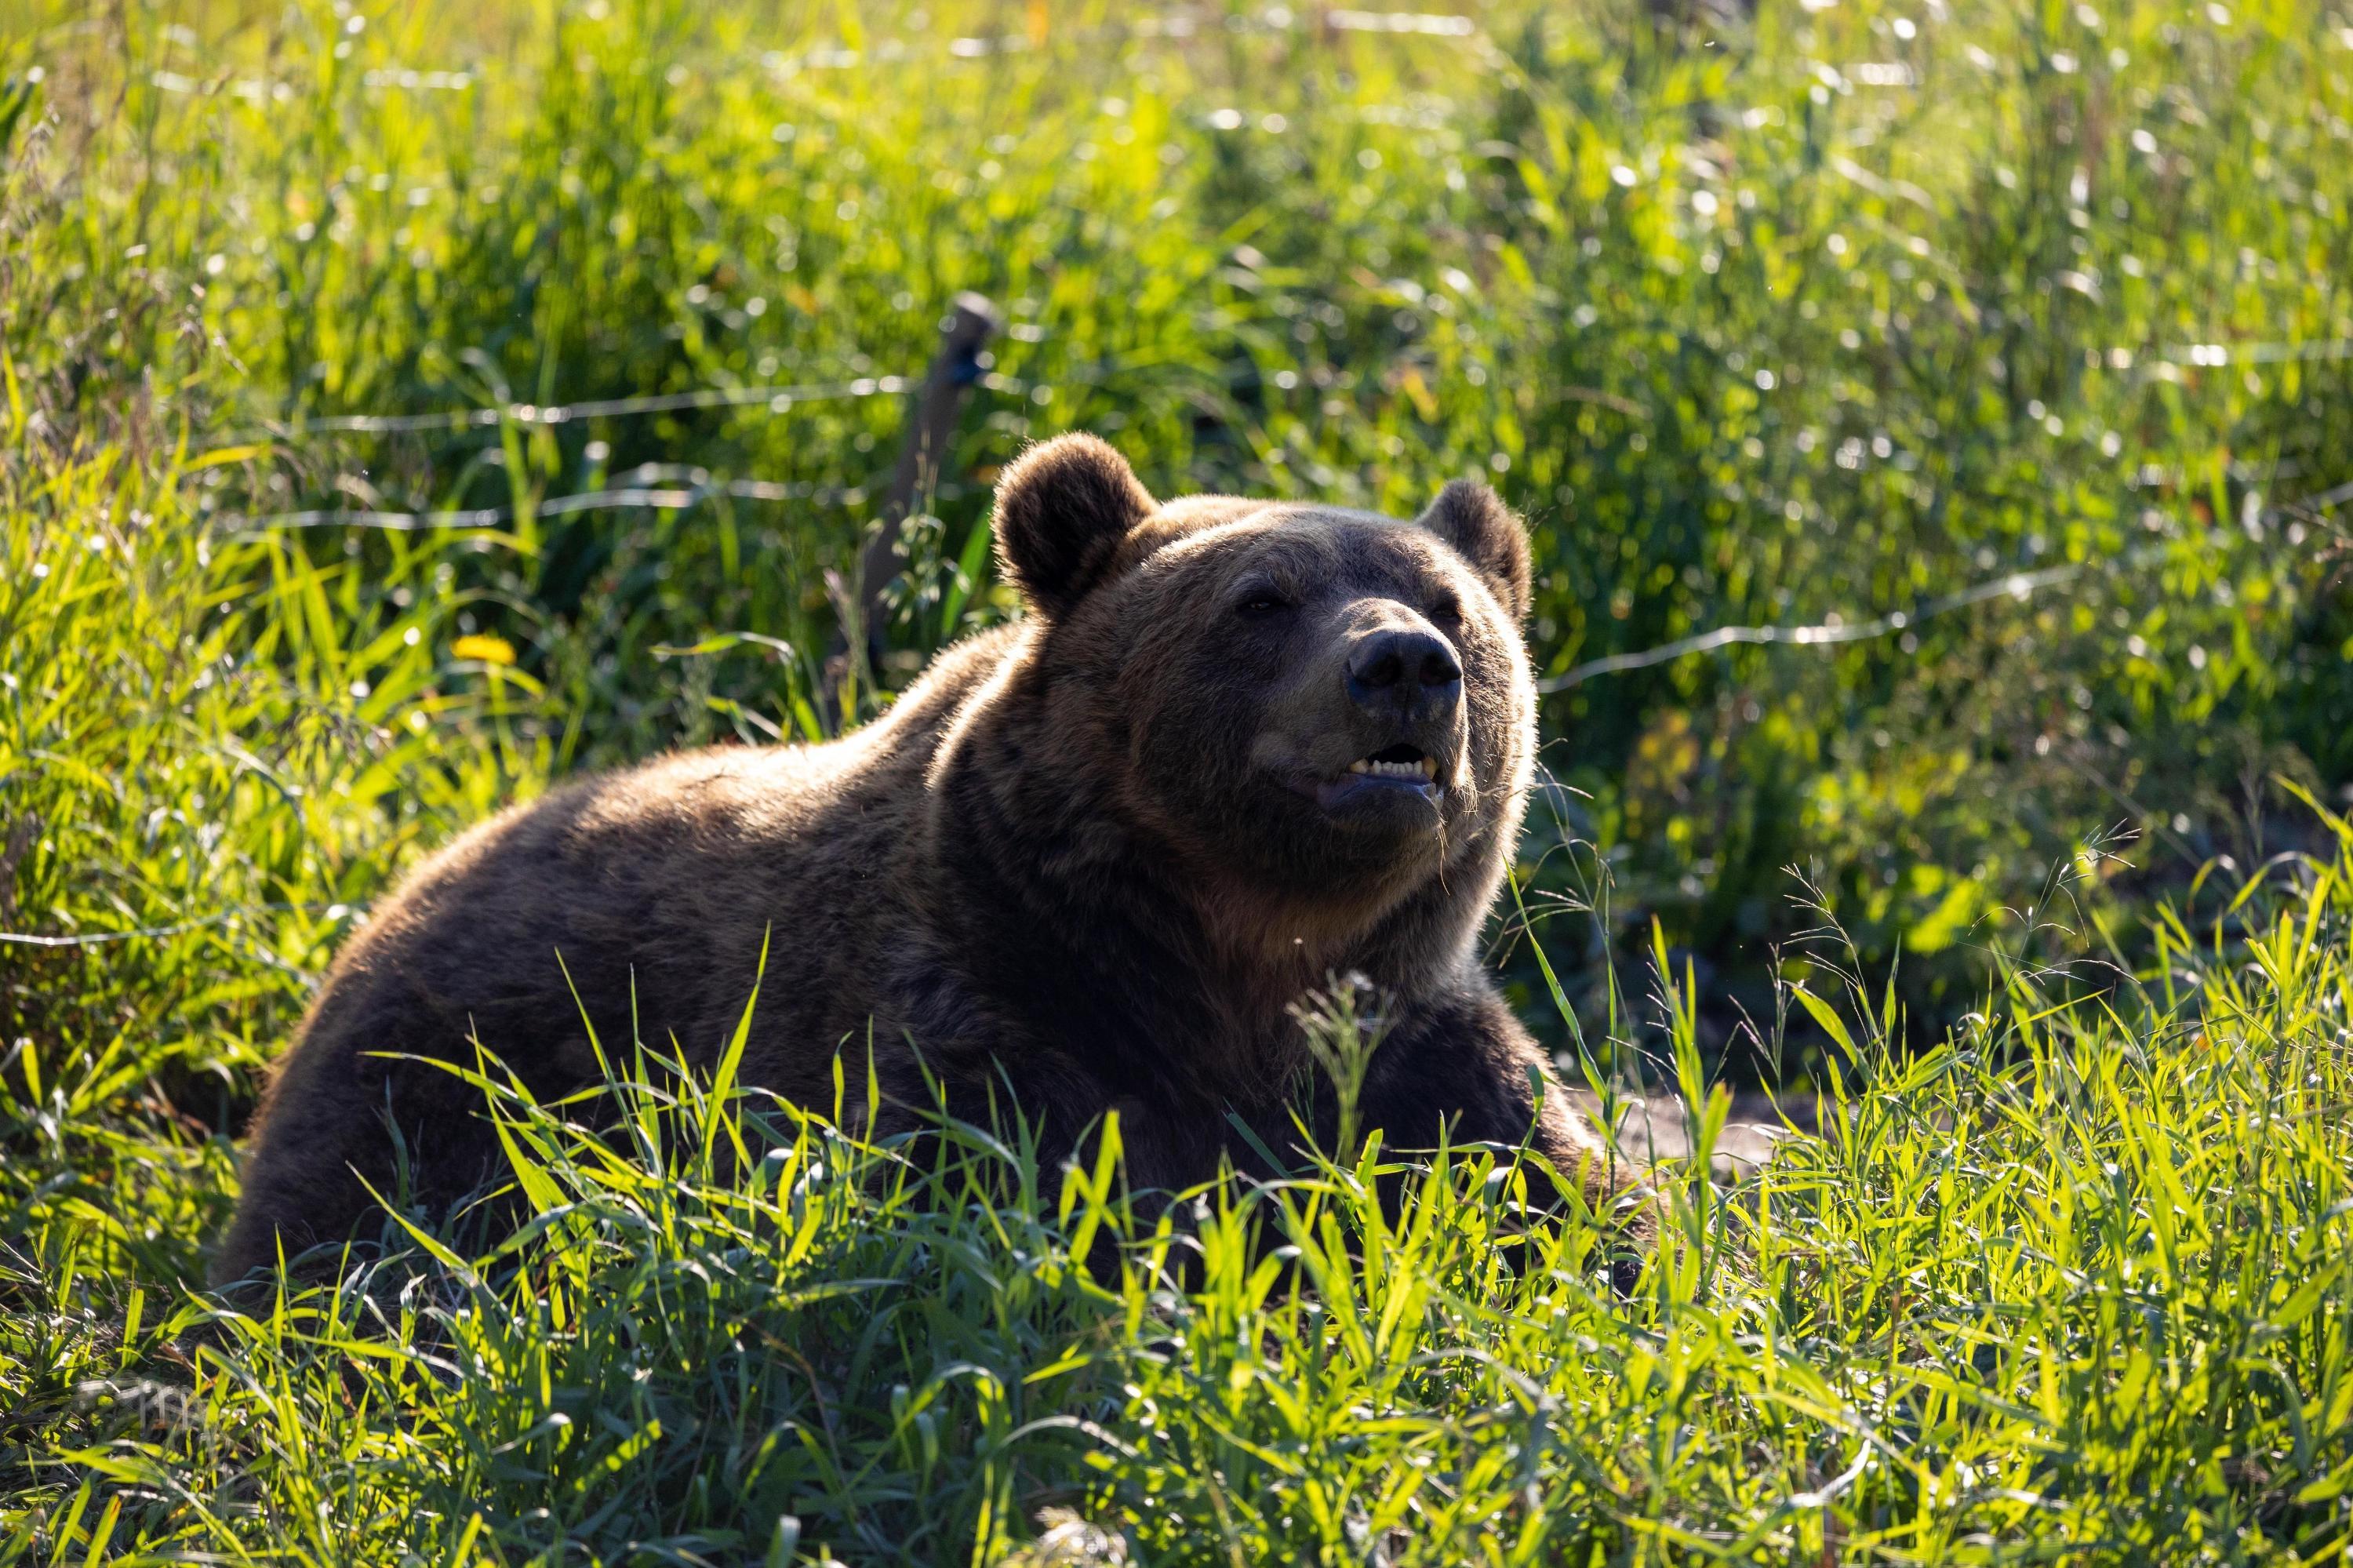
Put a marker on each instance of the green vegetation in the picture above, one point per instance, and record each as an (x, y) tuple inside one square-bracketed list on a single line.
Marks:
[(1761, 320), (2071, 1287)]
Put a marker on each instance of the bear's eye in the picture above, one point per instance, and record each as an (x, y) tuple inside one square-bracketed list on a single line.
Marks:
[(1257, 604), (1446, 609)]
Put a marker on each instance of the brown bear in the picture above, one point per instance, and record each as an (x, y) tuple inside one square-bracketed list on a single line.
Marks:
[(1233, 749)]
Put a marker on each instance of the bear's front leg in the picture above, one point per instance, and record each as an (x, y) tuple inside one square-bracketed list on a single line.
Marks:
[(1467, 1065)]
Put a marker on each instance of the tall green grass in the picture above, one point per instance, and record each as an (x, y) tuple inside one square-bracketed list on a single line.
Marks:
[(1818, 317), (2071, 1287), (1836, 312)]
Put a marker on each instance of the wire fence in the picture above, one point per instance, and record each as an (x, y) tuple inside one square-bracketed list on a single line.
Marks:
[(173, 929), (1838, 628), (2019, 587), (780, 399), (670, 487), (635, 488), (660, 487), (783, 399)]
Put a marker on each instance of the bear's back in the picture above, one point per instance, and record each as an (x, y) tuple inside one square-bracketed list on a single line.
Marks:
[(633, 903), (658, 884)]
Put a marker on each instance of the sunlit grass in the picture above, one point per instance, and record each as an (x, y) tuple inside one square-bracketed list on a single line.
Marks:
[(2071, 1287), (1753, 333)]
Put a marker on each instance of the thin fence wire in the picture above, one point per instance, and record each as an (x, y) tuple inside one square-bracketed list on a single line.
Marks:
[(783, 399), (700, 486), (654, 486), (780, 399), (175, 928), (2018, 586), (2312, 505)]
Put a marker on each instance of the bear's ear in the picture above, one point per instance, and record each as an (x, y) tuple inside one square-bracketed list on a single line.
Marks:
[(1063, 509), (1483, 532)]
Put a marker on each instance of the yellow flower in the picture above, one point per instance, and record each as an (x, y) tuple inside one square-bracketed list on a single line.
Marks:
[(489, 650)]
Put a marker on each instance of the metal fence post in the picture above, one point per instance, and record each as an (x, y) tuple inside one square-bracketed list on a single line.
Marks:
[(956, 370)]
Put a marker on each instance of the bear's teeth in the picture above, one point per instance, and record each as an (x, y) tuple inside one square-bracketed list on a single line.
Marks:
[(1425, 770)]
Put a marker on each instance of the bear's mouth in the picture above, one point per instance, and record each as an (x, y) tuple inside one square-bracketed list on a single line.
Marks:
[(1400, 762), (1398, 787)]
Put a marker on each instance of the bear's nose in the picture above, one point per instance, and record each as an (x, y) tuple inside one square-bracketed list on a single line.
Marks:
[(1398, 673)]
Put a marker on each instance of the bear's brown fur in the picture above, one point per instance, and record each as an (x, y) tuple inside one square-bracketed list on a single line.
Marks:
[(1097, 855)]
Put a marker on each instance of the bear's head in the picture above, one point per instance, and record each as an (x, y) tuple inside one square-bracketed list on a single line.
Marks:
[(1306, 709)]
